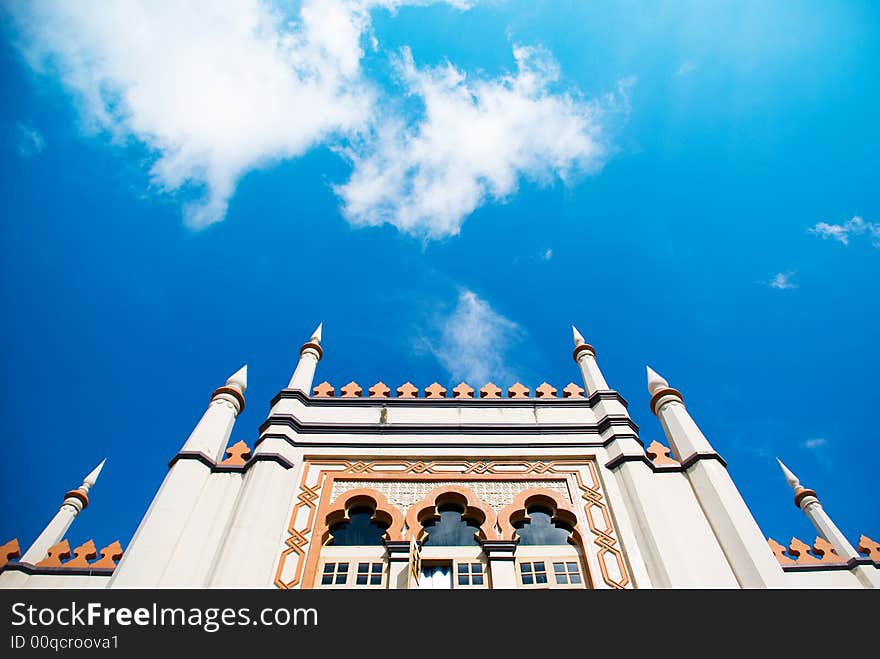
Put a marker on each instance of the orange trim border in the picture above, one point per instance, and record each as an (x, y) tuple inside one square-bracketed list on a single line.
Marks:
[(318, 476)]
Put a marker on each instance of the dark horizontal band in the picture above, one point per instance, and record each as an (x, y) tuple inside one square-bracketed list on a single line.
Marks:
[(682, 466)]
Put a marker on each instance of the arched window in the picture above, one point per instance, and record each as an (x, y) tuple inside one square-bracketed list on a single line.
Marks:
[(541, 529), (450, 527), (360, 529)]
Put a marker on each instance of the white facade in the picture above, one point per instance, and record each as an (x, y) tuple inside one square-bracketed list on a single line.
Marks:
[(263, 518)]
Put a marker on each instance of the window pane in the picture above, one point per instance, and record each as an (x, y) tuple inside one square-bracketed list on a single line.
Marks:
[(462, 568), (477, 568), (525, 567), (561, 578), (540, 577), (359, 529), (478, 579), (375, 579), (575, 578), (539, 566), (377, 568), (326, 579), (363, 567), (462, 580), (342, 567), (328, 568), (450, 529), (361, 579), (527, 579), (540, 530), (559, 567)]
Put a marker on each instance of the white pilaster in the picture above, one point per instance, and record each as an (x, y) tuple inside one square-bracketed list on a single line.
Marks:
[(211, 434), (74, 503), (156, 547), (585, 356), (737, 532), (309, 356), (808, 502)]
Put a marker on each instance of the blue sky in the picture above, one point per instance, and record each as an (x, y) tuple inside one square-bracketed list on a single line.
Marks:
[(187, 189)]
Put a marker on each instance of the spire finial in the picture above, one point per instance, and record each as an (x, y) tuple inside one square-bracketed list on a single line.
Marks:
[(655, 381), (792, 480), (89, 481), (316, 335), (238, 379), (578, 339)]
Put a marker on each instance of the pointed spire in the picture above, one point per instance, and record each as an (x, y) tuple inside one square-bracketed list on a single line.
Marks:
[(792, 480), (238, 379), (316, 335), (578, 339), (89, 481), (655, 381)]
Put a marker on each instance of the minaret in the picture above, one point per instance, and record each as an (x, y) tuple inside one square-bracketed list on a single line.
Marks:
[(585, 356), (212, 432), (309, 355), (75, 501), (731, 520), (159, 546), (807, 501)]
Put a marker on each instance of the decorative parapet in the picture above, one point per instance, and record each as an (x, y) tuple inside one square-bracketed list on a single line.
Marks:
[(236, 455), (518, 391), (545, 390), (659, 455), (798, 553), (572, 391), (869, 548), (83, 556), (352, 390), (461, 391), (407, 390), (379, 390), (324, 390), (10, 551), (489, 390), (435, 390)]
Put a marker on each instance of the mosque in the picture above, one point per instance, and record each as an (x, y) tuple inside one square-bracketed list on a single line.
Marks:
[(436, 489)]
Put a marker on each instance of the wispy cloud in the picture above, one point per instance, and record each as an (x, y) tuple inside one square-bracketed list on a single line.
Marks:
[(815, 442), (473, 341), (782, 281), (686, 67), (854, 227), (547, 255), (30, 140), (213, 89), (475, 141)]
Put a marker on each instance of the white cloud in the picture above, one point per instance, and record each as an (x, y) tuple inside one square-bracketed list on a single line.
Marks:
[(815, 442), (476, 139), (782, 281), (473, 340), (842, 232), (547, 255), (214, 89), (30, 140), (686, 68)]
